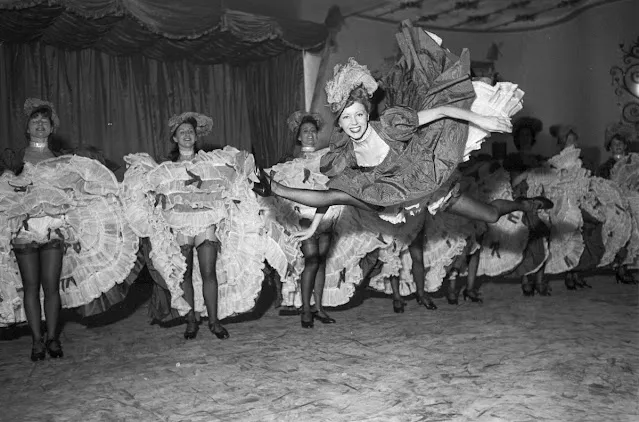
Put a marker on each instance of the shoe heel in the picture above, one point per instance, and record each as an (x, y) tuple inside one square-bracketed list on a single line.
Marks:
[(38, 353), (221, 333), (398, 306), (54, 352), (307, 324)]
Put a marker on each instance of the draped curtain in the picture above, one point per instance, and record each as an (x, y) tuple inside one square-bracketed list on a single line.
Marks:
[(274, 90), (122, 104)]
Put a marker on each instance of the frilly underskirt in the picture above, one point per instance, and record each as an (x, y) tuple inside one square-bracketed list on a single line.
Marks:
[(100, 246), (348, 242), (393, 241), (503, 243), (626, 174), (244, 238), (447, 237), (606, 203), (566, 183)]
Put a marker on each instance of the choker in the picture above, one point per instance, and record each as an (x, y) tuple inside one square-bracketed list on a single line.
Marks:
[(38, 144), (308, 149), (186, 157), (186, 154), (365, 136)]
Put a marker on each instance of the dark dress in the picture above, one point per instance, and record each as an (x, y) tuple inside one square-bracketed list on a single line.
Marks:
[(421, 159)]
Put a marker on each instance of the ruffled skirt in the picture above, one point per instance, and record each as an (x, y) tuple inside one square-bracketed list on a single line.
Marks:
[(75, 199)]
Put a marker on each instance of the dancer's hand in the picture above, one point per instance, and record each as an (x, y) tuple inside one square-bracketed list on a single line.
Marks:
[(304, 234), (307, 233), (499, 124)]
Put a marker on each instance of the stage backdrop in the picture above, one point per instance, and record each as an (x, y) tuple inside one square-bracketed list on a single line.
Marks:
[(117, 73)]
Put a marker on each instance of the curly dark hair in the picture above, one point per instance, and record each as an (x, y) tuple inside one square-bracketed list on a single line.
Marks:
[(357, 95), (174, 154)]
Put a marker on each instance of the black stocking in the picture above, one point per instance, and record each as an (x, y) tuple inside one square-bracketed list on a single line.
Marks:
[(324, 243), (50, 268), (28, 259), (187, 282), (310, 249), (321, 198), (207, 255), (416, 250), (476, 210)]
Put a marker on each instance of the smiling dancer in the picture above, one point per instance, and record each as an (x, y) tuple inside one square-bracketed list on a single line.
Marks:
[(404, 160)]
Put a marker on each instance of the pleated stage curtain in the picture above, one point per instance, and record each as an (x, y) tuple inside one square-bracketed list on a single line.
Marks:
[(122, 104)]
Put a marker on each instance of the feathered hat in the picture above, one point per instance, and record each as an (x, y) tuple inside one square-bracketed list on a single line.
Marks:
[(204, 123), (346, 78), (624, 132), (295, 120), (32, 104)]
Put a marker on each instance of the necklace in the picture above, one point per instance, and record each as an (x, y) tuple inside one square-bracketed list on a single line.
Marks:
[(186, 154), (365, 136), (38, 144)]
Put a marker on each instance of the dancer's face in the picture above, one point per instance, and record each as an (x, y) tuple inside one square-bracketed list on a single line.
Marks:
[(354, 121), (308, 135), (39, 127), (185, 136), (617, 147), (570, 140)]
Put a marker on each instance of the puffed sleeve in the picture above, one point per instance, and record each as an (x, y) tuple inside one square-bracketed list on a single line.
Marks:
[(399, 123), (339, 156)]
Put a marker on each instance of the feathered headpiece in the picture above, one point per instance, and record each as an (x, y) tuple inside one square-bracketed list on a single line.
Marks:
[(295, 120), (625, 132), (32, 104), (346, 78), (204, 123)]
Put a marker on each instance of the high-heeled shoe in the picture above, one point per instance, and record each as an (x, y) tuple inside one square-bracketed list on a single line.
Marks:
[(527, 288), (398, 306), (580, 282), (473, 295), (192, 327), (263, 187), (537, 202), (323, 319), (54, 348), (219, 331), (306, 321), (569, 281), (426, 301), (38, 351), (543, 289), (622, 277)]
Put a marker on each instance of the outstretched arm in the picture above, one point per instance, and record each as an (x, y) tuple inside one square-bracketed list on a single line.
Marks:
[(488, 123)]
